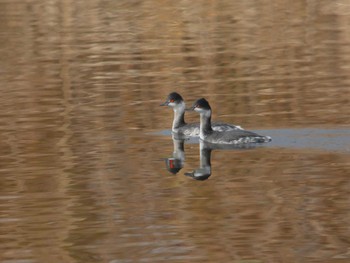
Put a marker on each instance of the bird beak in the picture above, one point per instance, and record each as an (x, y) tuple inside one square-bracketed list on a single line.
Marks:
[(190, 109), (165, 103)]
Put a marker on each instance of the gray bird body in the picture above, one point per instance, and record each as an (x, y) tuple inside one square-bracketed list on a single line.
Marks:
[(193, 129), (179, 126), (234, 137), (208, 134)]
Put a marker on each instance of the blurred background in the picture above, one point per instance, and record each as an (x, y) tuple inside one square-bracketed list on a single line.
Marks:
[(82, 149)]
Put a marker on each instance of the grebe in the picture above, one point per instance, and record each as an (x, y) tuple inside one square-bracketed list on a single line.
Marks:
[(208, 134), (179, 126)]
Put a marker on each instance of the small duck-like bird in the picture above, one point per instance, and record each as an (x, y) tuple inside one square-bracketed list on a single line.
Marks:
[(179, 126), (208, 134)]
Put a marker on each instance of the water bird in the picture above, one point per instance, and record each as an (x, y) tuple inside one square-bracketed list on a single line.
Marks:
[(208, 134), (179, 126)]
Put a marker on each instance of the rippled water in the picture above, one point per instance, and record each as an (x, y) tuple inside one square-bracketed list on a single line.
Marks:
[(87, 161)]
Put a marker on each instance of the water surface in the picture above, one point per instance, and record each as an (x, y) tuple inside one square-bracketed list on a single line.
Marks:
[(84, 141)]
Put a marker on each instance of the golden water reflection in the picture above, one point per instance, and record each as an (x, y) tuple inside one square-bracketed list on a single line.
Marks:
[(83, 177)]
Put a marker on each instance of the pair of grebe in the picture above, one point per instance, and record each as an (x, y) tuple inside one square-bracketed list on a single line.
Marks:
[(218, 133)]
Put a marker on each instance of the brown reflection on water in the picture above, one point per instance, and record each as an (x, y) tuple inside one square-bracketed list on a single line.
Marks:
[(83, 179)]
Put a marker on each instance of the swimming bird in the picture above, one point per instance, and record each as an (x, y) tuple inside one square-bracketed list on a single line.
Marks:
[(208, 134), (179, 126)]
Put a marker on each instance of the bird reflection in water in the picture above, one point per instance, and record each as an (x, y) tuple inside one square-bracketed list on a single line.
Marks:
[(175, 163), (204, 171)]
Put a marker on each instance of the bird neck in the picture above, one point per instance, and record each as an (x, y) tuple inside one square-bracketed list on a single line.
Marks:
[(179, 116), (205, 123)]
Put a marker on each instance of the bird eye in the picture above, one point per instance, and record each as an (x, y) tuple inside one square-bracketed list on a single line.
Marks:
[(171, 100)]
